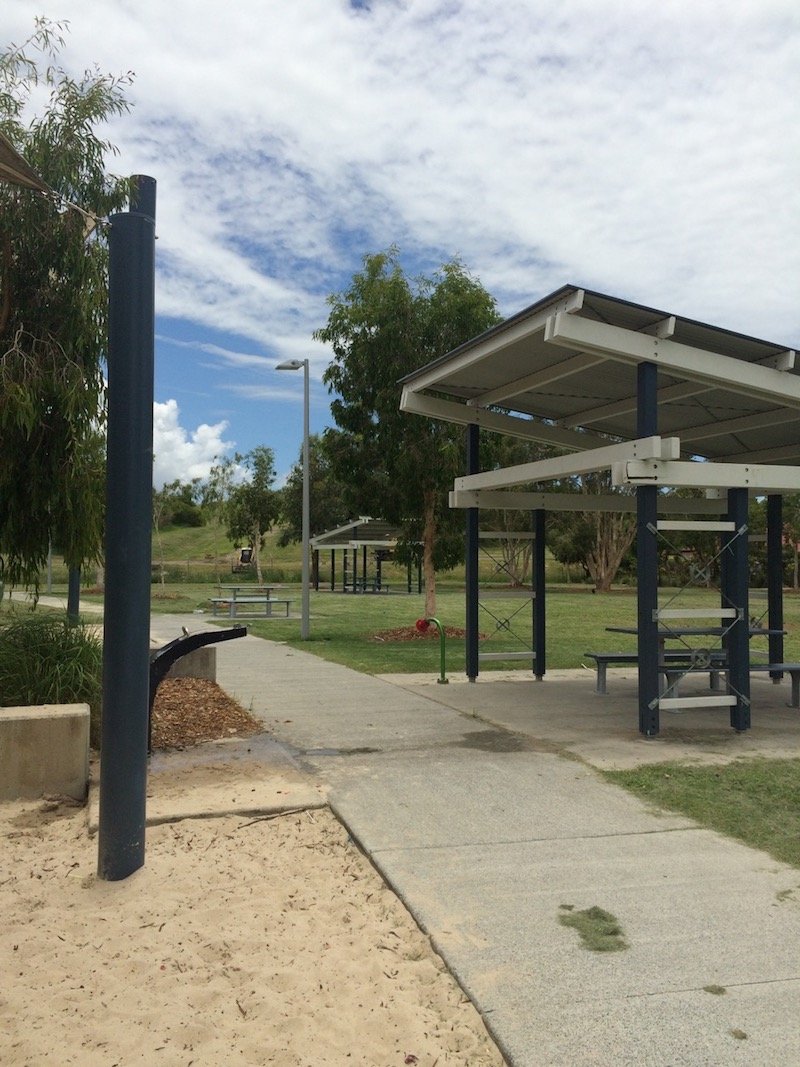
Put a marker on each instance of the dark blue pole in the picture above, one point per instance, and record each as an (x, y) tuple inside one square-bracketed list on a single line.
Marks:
[(126, 641), (74, 595), (473, 523), (775, 579), (735, 590), (647, 560), (539, 595)]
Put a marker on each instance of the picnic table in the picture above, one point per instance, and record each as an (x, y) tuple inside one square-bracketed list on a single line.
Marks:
[(248, 599)]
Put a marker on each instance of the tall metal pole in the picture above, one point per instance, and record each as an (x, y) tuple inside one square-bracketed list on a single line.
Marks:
[(471, 573), (296, 364), (647, 559), (304, 619), (129, 481)]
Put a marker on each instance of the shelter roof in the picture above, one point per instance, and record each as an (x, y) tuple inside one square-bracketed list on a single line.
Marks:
[(571, 360), (363, 531)]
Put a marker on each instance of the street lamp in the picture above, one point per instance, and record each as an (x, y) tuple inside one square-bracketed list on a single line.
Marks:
[(296, 364)]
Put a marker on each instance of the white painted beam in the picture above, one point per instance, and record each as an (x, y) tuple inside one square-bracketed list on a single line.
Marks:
[(693, 364), (775, 417), (513, 500), (510, 425), (592, 459), (662, 328), (679, 473), (537, 379), (629, 403)]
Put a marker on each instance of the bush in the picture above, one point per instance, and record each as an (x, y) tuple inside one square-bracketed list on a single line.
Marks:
[(46, 660)]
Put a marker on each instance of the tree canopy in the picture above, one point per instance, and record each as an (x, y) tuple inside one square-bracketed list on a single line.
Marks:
[(399, 467), (53, 307), (253, 505)]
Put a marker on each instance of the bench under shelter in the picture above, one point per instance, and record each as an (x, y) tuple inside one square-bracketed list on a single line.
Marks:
[(658, 401), (361, 547)]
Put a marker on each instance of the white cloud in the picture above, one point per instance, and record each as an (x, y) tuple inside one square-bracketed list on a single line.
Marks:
[(181, 454), (646, 150)]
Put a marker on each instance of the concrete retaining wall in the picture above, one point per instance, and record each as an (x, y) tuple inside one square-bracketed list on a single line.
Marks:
[(202, 663), (44, 750)]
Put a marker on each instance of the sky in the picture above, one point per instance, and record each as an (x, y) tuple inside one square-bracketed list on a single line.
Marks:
[(646, 150)]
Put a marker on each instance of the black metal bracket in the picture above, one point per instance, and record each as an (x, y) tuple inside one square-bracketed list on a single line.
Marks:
[(161, 659)]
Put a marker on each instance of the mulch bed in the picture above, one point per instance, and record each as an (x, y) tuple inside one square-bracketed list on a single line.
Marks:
[(411, 633), (189, 711)]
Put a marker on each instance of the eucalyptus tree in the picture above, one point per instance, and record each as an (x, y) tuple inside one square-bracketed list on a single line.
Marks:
[(399, 467), (53, 305), (253, 505)]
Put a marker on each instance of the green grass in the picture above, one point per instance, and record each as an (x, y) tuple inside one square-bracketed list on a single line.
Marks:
[(756, 801), (599, 930)]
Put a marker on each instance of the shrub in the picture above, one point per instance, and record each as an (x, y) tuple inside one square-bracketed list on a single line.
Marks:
[(46, 660)]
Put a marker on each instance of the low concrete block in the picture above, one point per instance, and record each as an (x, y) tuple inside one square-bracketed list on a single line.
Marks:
[(44, 750), (202, 663)]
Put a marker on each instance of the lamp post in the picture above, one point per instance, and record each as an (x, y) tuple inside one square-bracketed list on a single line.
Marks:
[(296, 364)]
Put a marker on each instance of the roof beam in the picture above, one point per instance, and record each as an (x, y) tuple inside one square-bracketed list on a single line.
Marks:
[(624, 407), (700, 475), (553, 373), (510, 425), (592, 459), (693, 364), (741, 424), (779, 454), (514, 500)]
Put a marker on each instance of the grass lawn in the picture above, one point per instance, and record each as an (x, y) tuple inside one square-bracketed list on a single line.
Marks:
[(756, 800)]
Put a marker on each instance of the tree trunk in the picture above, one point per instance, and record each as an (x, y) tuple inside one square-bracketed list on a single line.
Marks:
[(257, 554), (428, 540)]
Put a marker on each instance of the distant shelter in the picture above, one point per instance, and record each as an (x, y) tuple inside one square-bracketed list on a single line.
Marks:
[(358, 551)]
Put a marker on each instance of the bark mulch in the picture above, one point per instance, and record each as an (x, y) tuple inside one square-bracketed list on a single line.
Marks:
[(188, 711)]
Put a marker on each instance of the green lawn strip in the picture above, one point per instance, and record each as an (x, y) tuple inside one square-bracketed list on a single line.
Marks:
[(756, 801)]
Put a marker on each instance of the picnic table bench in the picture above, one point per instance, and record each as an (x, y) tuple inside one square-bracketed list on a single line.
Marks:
[(247, 605), (672, 664), (678, 662)]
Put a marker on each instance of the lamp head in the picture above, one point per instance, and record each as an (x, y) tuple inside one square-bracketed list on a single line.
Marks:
[(291, 364)]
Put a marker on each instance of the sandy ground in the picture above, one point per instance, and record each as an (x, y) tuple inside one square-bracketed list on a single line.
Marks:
[(243, 939)]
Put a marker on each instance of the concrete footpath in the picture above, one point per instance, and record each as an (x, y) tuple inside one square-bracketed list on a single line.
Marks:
[(481, 807)]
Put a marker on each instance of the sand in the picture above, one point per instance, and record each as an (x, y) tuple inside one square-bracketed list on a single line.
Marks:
[(243, 940)]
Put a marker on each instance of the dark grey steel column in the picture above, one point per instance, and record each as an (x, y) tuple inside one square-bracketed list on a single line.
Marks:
[(74, 595), (775, 579), (473, 435), (737, 638), (129, 485), (539, 595), (647, 559)]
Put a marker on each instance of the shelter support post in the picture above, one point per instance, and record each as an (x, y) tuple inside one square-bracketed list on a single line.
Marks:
[(539, 617), (333, 569), (647, 560), (129, 479), (735, 579), (472, 552), (775, 579)]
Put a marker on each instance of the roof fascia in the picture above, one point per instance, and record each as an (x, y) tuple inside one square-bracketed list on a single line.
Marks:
[(530, 321)]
